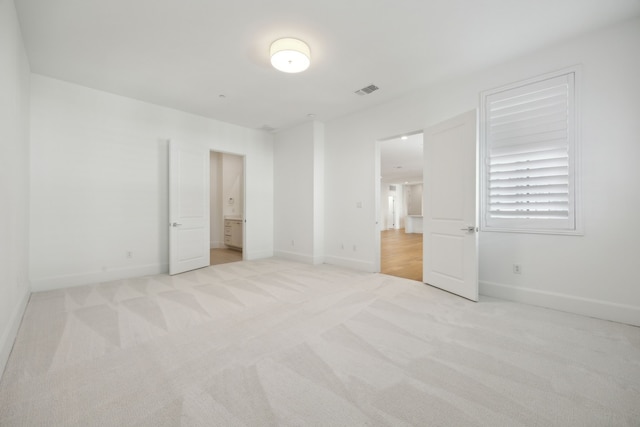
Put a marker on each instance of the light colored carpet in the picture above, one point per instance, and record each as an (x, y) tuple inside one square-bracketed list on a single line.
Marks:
[(271, 342)]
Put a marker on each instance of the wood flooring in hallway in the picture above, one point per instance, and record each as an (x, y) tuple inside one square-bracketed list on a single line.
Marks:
[(401, 254), (224, 256)]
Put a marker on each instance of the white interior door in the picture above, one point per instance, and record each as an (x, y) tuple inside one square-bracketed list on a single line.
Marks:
[(450, 206), (188, 207)]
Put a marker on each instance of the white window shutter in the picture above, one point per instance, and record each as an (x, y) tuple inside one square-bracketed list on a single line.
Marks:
[(529, 148)]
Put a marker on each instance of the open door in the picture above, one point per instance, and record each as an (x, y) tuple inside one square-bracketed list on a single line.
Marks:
[(450, 206), (188, 207)]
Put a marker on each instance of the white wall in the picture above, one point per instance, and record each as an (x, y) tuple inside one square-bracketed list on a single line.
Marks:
[(293, 197), (400, 205), (232, 186), (413, 194), (216, 220), (318, 192), (299, 193), (14, 178), (99, 183), (591, 274)]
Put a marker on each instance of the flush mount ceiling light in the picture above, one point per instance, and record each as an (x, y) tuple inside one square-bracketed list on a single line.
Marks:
[(290, 55)]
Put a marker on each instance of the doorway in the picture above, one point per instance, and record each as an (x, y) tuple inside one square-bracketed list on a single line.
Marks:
[(400, 194), (226, 199)]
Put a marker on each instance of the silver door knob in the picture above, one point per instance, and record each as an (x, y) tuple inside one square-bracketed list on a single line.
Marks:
[(469, 229), (175, 224)]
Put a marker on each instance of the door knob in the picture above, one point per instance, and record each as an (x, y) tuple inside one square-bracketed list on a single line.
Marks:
[(175, 224), (469, 229)]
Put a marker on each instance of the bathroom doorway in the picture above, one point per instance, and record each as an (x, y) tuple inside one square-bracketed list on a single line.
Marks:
[(227, 200)]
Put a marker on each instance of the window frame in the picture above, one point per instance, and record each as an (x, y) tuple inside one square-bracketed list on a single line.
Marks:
[(535, 226)]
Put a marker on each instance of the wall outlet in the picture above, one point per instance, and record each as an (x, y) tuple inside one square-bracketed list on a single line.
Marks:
[(517, 269), (354, 248), (293, 243)]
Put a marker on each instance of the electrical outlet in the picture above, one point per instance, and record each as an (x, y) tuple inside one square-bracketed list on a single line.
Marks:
[(354, 248), (293, 243), (517, 269)]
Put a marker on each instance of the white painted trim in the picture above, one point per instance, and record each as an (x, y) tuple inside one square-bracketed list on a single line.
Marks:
[(355, 264), (59, 282), (575, 162), (378, 226), (249, 256), (572, 304), (11, 330), (294, 256)]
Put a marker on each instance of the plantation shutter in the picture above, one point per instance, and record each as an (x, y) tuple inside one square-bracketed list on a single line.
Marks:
[(529, 156)]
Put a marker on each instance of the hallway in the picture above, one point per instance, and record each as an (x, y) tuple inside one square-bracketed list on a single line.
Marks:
[(401, 254), (224, 256)]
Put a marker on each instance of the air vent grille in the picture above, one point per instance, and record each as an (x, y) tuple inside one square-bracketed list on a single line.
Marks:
[(366, 90), (392, 188)]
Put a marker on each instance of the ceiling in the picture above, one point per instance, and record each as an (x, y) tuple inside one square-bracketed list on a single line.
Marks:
[(184, 54), (401, 160)]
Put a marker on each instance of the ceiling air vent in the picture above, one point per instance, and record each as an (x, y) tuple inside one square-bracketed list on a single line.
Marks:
[(366, 90), (392, 188)]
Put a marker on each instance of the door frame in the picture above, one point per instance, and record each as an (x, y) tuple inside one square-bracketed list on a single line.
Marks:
[(377, 262), (377, 190)]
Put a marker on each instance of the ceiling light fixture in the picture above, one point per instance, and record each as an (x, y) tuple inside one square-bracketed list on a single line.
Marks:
[(290, 55), (404, 137)]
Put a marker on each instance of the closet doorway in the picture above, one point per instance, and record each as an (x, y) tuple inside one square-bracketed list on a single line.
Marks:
[(227, 201)]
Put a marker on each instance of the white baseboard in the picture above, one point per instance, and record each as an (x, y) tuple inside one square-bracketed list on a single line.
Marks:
[(294, 256), (10, 330), (355, 264), (251, 255), (572, 304), (66, 281)]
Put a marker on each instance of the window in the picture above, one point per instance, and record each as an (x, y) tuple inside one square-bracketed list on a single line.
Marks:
[(528, 146)]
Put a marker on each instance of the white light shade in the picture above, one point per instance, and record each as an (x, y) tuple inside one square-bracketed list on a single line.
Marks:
[(290, 55)]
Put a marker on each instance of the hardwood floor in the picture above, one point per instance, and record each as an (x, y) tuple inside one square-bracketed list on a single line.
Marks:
[(401, 254), (224, 256)]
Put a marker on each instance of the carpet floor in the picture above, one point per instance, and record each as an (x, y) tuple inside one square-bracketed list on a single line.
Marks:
[(277, 343)]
